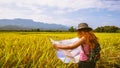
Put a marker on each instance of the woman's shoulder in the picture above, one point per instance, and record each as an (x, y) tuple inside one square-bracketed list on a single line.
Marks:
[(81, 40)]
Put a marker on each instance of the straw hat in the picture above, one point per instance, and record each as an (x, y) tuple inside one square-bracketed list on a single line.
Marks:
[(83, 26)]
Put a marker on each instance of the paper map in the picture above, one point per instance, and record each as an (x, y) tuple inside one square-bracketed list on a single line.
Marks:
[(67, 56)]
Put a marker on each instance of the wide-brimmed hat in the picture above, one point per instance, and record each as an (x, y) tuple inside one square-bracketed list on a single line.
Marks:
[(83, 26)]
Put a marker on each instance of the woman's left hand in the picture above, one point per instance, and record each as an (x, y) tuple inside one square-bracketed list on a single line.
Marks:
[(55, 46)]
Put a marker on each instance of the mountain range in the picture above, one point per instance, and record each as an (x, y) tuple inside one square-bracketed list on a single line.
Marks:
[(26, 24)]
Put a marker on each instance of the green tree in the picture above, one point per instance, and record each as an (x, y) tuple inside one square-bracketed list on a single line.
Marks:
[(71, 29)]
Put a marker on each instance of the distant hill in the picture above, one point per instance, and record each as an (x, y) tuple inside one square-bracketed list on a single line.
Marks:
[(13, 27), (25, 24)]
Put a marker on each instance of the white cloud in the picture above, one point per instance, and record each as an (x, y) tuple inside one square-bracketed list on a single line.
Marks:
[(64, 4), (35, 9)]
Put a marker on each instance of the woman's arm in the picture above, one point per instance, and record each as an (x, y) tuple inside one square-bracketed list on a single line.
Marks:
[(71, 46)]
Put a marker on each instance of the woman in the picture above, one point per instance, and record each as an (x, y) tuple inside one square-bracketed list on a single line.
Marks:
[(87, 40)]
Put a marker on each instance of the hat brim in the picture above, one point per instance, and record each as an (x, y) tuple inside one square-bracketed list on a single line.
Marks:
[(88, 28)]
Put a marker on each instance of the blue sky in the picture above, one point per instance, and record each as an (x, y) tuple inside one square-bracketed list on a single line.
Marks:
[(66, 12)]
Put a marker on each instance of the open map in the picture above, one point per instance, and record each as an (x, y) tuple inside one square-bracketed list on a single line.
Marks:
[(67, 56)]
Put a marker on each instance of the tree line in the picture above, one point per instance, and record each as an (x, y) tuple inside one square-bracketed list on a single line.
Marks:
[(107, 29)]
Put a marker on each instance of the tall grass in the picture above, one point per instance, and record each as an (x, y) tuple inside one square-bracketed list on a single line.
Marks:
[(34, 50)]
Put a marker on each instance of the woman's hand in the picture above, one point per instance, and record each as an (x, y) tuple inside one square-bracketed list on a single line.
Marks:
[(55, 46)]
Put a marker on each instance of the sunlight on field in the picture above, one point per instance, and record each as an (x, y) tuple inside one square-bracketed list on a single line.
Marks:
[(34, 50)]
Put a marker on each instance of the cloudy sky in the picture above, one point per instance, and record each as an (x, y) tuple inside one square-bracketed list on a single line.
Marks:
[(67, 12)]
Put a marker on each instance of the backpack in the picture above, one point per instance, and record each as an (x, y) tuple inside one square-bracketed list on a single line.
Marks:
[(94, 54)]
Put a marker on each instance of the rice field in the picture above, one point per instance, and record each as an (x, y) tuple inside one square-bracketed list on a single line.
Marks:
[(34, 50)]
